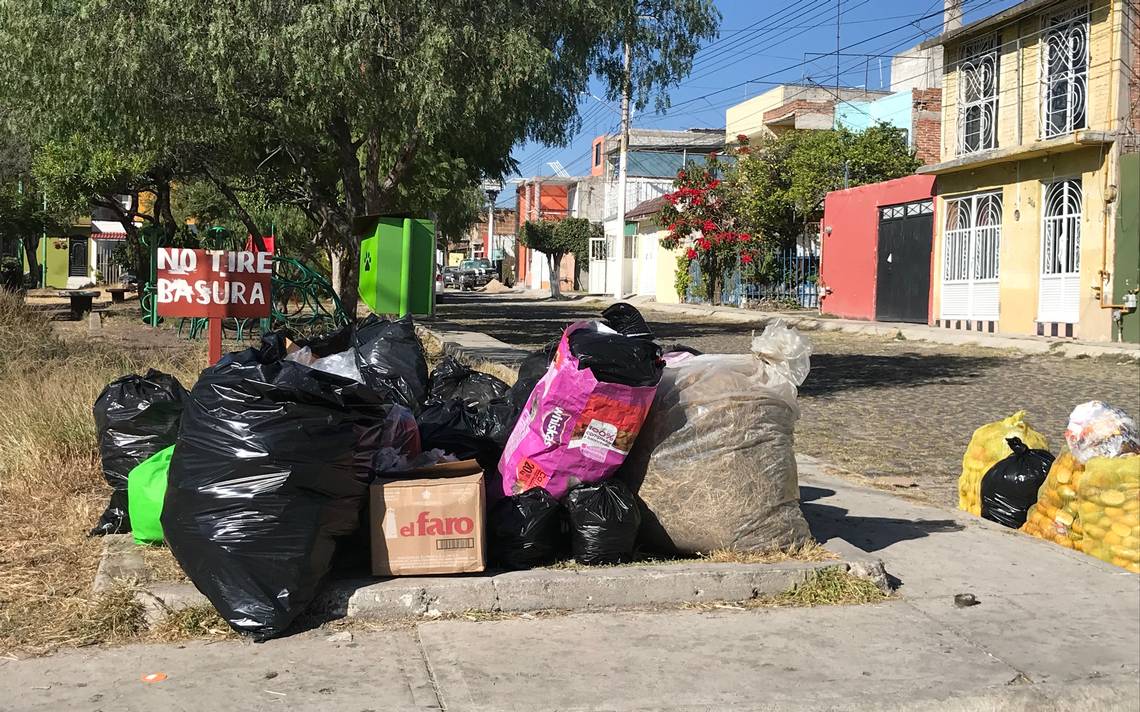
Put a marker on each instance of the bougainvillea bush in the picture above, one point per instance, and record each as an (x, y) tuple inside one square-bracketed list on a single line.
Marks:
[(698, 216)]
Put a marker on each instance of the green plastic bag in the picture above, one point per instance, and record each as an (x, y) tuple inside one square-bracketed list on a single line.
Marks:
[(146, 488)]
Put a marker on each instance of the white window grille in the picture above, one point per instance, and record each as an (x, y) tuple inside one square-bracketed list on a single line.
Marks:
[(1064, 73), (972, 245), (978, 95)]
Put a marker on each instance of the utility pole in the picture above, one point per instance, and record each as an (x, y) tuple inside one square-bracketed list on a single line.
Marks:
[(837, 2), (623, 164)]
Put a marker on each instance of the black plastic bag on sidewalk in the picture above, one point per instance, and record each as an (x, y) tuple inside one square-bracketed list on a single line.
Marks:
[(451, 379), (135, 417), (604, 519), (615, 358), (1010, 487), (271, 466), (528, 530), (391, 360)]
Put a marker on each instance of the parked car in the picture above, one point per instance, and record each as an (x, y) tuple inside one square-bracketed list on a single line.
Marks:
[(451, 277), (483, 270)]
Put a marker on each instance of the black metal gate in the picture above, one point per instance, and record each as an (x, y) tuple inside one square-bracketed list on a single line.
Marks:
[(78, 264), (902, 283)]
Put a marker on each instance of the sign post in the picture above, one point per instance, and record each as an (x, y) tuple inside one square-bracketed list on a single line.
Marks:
[(214, 284)]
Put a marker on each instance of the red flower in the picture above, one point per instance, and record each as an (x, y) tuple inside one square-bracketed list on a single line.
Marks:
[(744, 150), (713, 183), (680, 175), (746, 259), (704, 243), (690, 254), (744, 237), (672, 227), (742, 139), (708, 226), (671, 198)]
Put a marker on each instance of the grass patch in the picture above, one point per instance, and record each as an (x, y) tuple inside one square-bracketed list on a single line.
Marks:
[(808, 551), (192, 622), (832, 586), (51, 485)]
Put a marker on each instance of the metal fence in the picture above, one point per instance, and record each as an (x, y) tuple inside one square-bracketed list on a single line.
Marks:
[(790, 277), (110, 271)]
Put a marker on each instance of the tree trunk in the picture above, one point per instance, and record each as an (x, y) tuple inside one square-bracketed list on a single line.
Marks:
[(31, 248), (347, 264), (555, 260)]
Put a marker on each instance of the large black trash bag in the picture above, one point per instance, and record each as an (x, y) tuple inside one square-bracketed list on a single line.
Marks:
[(135, 417), (625, 319), (451, 379), (460, 429), (391, 360), (604, 519), (615, 358), (527, 530), (272, 463), (1009, 488)]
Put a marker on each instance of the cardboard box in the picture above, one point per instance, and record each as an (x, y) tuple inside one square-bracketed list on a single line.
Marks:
[(429, 523)]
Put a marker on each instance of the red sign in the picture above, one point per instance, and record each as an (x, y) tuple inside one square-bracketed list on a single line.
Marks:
[(213, 283)]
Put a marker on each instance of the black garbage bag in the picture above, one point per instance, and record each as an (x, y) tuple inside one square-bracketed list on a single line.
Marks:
[(615, 358), (604, 519), (531, 371), (391, 360), (460, 429), (1009, 488), (271, 466), (527, 530), (625, 319), (135, 417), (451, 379)]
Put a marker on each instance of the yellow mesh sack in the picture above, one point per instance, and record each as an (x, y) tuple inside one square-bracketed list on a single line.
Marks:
[(1055, 516), (1108, 507), (987, 447)]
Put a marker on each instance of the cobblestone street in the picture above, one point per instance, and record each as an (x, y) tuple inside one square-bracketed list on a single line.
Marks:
[(878, 406)]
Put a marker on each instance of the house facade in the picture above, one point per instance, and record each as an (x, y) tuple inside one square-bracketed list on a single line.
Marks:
[(542, 198), (1036, 230)]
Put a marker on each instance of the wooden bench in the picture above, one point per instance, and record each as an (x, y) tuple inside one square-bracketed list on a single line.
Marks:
[(80, 301), (118, 294)]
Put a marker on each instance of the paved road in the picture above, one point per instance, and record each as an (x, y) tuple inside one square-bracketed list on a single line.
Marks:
[(878, 406)]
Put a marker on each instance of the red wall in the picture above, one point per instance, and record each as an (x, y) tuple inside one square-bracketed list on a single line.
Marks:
[(850, 252)]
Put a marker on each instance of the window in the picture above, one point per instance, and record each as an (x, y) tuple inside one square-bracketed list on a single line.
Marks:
[(978, 96), (598, 153), (1061, 232), (972, 244), (1065, 66)]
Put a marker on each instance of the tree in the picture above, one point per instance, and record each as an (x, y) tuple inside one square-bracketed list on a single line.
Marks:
[(339, 107), (698, 216), (778, 186), (23, 217), (556, 239)]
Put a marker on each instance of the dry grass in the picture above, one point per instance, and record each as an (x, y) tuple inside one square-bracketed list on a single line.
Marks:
[(808, 551), (832, 586), (51, 487), (162, 565), (192, 623)]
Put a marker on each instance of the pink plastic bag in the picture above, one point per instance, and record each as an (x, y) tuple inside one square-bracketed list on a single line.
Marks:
[(574, 428)]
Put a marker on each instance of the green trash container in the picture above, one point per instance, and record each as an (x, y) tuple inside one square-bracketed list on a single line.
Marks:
[(146, 488), (397, 264)]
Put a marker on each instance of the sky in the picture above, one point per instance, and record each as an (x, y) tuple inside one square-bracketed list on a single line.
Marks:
[(763, 43)]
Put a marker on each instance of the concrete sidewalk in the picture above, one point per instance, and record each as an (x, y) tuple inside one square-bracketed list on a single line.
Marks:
[(1054, 630)]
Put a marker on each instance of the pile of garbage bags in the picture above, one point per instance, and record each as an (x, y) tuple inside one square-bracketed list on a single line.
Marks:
[(604, 447), (1090, 499)]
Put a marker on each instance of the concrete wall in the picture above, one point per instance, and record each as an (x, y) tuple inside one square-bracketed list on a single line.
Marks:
[(850, 252), (917, 69), (1021, 184), (747, 118)]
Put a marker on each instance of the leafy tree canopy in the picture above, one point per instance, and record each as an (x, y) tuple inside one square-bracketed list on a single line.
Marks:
[(338, 107)]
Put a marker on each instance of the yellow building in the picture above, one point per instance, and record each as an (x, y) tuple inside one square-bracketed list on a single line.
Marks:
[(1038, 119)]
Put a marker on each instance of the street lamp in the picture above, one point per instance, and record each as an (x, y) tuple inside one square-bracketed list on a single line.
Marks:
[(492, 188)]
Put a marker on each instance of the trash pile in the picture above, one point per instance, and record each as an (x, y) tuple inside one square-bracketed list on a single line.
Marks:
[(286, 455), (1087, 499), (1090, 500)]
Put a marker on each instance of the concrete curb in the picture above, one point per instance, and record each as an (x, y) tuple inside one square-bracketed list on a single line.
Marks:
[(585, 589), (473, 347)]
